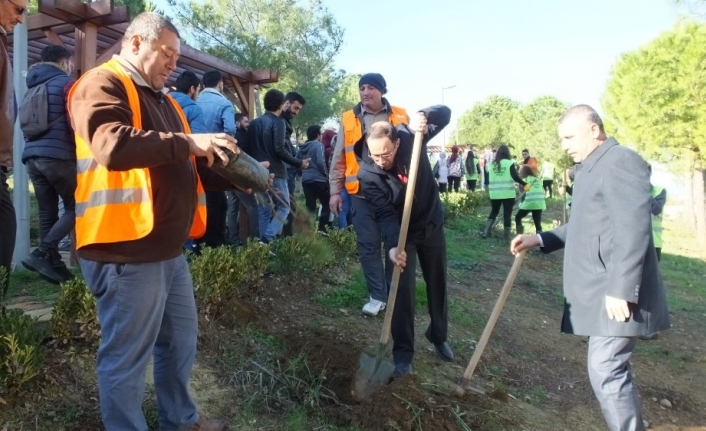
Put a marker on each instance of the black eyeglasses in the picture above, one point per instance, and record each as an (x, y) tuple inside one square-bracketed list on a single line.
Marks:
[(19, 9)]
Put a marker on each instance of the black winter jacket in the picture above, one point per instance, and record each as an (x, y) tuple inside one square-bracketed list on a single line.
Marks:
[(384, 190), (266, 143), (58, 141)]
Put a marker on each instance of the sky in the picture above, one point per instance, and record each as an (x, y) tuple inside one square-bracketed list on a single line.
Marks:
[(522, 49)]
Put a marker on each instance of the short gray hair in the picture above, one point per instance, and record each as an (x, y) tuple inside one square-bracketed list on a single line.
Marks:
[(590, 114), (148, 26)]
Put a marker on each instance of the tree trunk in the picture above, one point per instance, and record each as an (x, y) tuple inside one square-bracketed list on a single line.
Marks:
[(258, 105), (699, 204)]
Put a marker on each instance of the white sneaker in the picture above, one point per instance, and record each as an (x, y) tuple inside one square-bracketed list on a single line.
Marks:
[(373, 307)]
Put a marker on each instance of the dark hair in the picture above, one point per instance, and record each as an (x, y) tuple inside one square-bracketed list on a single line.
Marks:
[(273, 101), (503, 153), (212, 78), (186, 80), (239, 116), (526, 171), (313, 132), (589, 112), (55, 53), (470, 166), (382, 129), (293, 96)]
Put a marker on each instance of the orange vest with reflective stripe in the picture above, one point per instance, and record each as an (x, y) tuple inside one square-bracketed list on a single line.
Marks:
[(116, 206), (352, 132)]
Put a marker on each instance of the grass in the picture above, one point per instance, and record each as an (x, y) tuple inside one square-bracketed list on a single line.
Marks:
[(349, 295), (28, 283), (461, 314)]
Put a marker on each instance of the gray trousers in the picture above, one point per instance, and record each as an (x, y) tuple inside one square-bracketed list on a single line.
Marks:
[(369, 252), (609, 372)]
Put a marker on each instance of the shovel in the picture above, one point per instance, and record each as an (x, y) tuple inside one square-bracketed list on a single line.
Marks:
[(480, 347), (373, 372)]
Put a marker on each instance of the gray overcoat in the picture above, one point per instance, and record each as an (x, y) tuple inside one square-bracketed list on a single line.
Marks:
[(609, 248)]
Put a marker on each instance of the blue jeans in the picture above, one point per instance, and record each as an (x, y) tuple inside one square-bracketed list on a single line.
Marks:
[(271, 225), (249, 201), (144, 309), (346, 207)]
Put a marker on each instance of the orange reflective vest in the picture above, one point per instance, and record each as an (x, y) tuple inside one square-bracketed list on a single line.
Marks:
[(352, 132), (116, 206)]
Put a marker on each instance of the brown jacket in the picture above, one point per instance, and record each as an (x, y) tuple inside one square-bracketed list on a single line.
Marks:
[(8, 105), (102, 116)]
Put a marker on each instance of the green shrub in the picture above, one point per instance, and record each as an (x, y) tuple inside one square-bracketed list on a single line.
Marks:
[(343, 243), (75, 315), (255, 258), (463, 204), (218, 274), (303, 254), (21, 352)]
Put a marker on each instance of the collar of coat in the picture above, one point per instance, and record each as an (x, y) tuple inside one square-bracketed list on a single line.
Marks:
[(359, 111), (599, 152), (135, 74)]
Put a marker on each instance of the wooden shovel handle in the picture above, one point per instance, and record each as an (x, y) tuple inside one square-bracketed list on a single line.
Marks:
[(406, 212), (493, 319)]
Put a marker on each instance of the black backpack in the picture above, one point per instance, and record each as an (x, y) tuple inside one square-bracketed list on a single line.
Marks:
[(34, 112)]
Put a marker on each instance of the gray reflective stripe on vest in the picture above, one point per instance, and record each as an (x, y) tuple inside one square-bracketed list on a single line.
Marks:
[(112, 196), (85, 165), (534, 197), (349, 148), (501, 185), (351, 179), (202, 198)]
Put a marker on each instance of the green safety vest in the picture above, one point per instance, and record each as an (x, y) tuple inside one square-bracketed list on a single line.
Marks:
[(477, 174), (534, 197), (657, 221), (547, 171), (500, 182)]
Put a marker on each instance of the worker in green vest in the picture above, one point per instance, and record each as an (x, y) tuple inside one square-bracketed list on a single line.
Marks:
[(547, 176), (659, 198), (532, 201), (502, 175), (472, 170)]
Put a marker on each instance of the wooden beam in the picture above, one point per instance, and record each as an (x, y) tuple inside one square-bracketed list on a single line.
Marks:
[(249, 90), (263, 76), (211, 62), (242, 101), (114, 49), (47, 7), (40, 21), (53, 38), (86, 39)]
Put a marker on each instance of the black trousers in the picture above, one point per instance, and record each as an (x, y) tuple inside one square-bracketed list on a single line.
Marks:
[(377, 274), (216, 214), (8, 231), (471, 185), (314, 191), (659, 253), (547, 184), (430, 246), (442, 187), (507, 205), (53, 179), (536, 217), (454, 183)]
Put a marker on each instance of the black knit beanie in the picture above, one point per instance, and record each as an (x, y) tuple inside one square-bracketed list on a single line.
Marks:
[(374, 79)]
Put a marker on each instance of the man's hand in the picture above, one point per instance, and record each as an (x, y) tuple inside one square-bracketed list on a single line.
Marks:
[(265, 164), (418, 123), (335, 203), (208, 144), (523, 242), (399, 259), (617, 309), (305, 164)]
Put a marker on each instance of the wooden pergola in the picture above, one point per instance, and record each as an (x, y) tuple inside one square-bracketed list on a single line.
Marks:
[(93, 32)]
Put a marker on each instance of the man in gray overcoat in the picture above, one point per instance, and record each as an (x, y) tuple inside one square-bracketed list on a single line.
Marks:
[(612, 283)]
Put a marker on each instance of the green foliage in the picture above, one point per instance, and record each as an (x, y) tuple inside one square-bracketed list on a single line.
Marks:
[(75, 316), (21, 353), (218, 275), (655, 95), (351, 294), (462, 204), (301, 254), (343, 243), (487, 122), (255, 259)]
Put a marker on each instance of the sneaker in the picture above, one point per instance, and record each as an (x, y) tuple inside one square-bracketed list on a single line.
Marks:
[(402, 370), (373, 307), (41, 263), (206, 425)]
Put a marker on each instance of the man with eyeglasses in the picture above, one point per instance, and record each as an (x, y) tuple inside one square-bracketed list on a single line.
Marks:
[(383, 179), (11, 14), (373, 107)]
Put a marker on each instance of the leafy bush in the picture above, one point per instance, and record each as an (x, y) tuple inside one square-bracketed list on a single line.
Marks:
[(21, 353), (343, 243), (463, 203), (75, 315), (303, 254), (255, 258), (218, 274)]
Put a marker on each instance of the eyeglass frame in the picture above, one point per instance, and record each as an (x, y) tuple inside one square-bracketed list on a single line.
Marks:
[(19, 9), (385, 156)]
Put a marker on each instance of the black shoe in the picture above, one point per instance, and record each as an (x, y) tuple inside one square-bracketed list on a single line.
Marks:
[(402, 369), (650, 337), (62, 270), (444, 351), (41, 263)]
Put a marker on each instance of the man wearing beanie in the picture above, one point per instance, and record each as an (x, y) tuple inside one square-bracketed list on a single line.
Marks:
[(343, 179)]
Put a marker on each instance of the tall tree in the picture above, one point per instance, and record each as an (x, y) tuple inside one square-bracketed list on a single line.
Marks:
[(655, 96), (534, 127), (488, 122), (300, 41)]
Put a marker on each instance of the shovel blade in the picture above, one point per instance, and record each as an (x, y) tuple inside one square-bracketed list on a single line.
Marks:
[(372, 374)]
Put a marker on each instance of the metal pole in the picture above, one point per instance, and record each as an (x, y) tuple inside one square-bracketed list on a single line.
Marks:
[(20, 190)]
